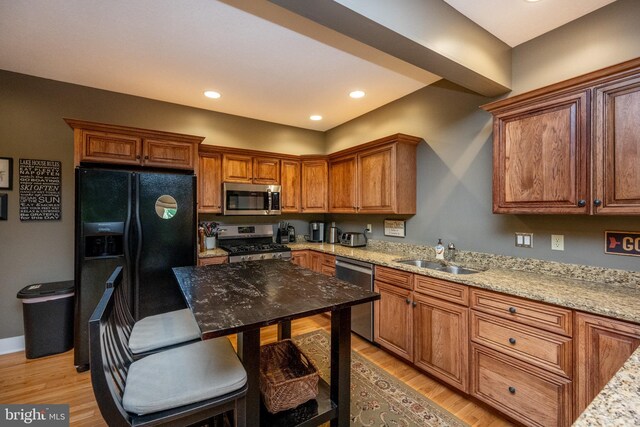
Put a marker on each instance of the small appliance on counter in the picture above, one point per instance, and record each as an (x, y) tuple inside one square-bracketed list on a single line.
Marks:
[(353, 240), (333, 234), (282, 234), (316, 232), (292, 234)]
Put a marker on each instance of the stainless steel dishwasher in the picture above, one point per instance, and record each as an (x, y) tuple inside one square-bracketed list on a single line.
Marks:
[(361, 274)]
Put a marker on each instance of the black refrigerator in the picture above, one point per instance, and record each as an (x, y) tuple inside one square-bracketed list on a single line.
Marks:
[(143, 221)]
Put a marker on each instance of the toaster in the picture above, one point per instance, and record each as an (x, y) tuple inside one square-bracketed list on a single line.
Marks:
[(353, 239)]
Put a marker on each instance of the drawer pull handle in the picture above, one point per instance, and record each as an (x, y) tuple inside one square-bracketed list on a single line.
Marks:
[(512, 340), (414, 304), (408, 301), (512, 310), (512, 390)]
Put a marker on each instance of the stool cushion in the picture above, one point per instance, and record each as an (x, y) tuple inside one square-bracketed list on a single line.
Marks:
[(163, 330), (183, 375)]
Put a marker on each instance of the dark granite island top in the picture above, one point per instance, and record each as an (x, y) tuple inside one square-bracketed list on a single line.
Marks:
[(230, 298), (243, 297)]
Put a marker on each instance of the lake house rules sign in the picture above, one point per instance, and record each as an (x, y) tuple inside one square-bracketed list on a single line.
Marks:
[(40, 190)]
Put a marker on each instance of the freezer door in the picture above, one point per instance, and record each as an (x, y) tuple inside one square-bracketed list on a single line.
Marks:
[(166, 232), (102, 222)]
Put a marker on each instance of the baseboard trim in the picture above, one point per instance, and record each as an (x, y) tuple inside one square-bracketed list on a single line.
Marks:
[(11, 344)]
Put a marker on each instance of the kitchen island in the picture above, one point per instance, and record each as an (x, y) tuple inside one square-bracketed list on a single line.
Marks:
[(243, 297)]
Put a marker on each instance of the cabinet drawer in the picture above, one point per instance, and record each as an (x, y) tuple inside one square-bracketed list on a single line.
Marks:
[(394, 277), (543, 349), (213, 260), (536, 314), (528, 394), (442, 289)]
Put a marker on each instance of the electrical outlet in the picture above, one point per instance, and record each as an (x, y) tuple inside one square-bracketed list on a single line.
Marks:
[(369, 228), (524, 240), (557, 242)]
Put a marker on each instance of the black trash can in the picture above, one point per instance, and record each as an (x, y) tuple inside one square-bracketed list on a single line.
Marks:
[(48, 318)]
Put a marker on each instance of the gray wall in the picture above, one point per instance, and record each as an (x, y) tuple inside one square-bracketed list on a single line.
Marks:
[(455, 162), (31, 126)]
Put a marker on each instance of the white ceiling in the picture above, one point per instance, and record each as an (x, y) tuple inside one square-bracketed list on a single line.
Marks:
[(174, 50), (517, 21)]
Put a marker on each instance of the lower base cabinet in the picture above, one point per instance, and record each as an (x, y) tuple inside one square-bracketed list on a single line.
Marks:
[(393, 319), (442, 340), (300, 258), (213, 260), (602, 347), (528, 394)]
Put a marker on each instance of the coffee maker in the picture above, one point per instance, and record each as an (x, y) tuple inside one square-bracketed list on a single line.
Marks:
[(316, 232)]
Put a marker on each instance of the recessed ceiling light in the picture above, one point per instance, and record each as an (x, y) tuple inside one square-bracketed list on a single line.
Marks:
[(211, 94), (315, 117), (356, 94), (532, 1)]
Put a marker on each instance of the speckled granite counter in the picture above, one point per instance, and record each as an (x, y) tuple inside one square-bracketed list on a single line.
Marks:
[(619, 298)]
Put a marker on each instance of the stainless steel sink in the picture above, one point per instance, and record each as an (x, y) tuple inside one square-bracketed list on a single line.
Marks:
[(433, 265), (422, 263)]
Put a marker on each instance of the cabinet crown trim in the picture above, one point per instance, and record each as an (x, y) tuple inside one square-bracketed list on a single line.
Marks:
[(76, 124)]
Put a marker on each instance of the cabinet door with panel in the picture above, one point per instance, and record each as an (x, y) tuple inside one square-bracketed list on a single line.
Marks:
[(393, 319), (541, 157), (377, 178), (617, 147), (173, 154), (442, 340), (210, 183), (315, 182), (237, 168), (343, 185), (602, 347), (266, 170), (213, 260), (290, 182), (316, 259), (108, 147), (300, 258)]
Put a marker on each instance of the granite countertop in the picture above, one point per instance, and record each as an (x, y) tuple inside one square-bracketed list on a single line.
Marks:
[(253, 294), (617, 301)]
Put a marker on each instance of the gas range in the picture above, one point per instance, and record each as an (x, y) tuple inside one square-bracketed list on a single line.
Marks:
[(251, 243)]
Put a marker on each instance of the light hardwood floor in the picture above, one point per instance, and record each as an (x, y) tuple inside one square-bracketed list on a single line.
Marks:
[(54, 379)]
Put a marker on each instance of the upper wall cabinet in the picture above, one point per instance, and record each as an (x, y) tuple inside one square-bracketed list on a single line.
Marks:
[(249, 169), (570, 148), (290, 181), (210, 182), (314, 185), (377, 177), (111, 144)]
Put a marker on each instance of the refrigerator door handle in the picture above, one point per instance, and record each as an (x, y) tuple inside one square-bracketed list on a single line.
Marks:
[(127, 227), (136, 278)]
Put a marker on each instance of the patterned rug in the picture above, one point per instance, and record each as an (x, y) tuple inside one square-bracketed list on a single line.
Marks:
[(377, 398)]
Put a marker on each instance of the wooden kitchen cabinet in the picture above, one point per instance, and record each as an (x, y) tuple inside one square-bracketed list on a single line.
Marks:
[(314, 189), (570, 148), (540, 156), (213, 260), (617, 147), (377, 177), (441, 344), (122, 145), (393, 319), (322, 263), (210, 183), (528, 394), (343, 197), (300, 258), (290, 182), (237, 168), (266, 170), (602, 347)]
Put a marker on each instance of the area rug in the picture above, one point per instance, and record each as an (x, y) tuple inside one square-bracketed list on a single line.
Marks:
[(377, 398)]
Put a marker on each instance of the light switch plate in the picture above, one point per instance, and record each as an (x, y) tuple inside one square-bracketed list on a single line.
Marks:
[(524, 240)]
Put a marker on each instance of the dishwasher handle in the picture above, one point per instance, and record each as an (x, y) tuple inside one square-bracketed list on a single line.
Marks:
[(350, 266)]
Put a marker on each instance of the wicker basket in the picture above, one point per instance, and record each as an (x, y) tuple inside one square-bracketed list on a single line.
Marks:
[(288, 378)]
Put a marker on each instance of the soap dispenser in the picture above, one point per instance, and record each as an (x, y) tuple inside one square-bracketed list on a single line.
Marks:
[(440, 250)]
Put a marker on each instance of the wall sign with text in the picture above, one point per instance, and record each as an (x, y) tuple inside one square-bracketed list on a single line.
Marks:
[(395, 228), (622, 243), (40, 190)]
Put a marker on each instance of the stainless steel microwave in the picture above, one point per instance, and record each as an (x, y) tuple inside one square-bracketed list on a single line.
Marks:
[(250, 199)]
